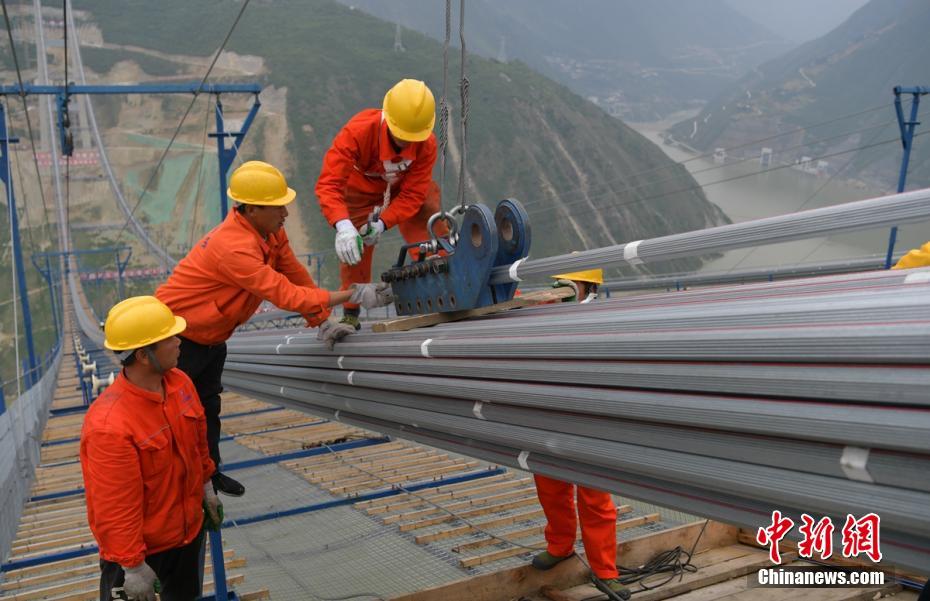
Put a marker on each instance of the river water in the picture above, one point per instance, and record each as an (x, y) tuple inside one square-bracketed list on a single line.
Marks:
[(755, 195)]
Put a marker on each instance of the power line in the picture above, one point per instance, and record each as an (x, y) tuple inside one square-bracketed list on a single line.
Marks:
[(177, 130)]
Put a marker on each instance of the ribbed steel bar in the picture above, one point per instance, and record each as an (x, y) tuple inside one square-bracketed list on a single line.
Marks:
[(901, 545), (907, 207), (881, 426), (796, 381), (746, 275), (773, 448)]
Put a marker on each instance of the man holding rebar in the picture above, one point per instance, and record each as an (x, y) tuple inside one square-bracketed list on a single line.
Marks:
[(243, 261)]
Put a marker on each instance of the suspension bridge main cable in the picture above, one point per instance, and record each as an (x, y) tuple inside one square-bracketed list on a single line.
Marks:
[(177, 130)]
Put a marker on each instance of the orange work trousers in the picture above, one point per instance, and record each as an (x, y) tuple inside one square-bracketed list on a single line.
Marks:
[(413, 230), (598, 516)]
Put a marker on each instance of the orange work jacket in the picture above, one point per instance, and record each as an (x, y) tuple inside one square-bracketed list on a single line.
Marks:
[(229, 272), (360, 165), (145, 461)]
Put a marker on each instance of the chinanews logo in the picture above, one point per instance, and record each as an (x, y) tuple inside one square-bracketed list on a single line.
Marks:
[(860, 539)]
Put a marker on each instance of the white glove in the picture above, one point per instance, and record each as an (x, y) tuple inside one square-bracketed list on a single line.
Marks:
[(139, 583), (332, 331), (372, 296), (212, 504), (348, 242), (371, 233)]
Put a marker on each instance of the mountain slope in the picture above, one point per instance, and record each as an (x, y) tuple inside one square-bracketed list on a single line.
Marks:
[(639, 59), (852, 68), (529, 138)]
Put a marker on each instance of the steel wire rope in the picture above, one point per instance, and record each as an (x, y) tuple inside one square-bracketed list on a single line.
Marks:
[(444, 106), (10, 210), (463, 92), (22, 95), (203, 152), (808, 201), (177, 130)]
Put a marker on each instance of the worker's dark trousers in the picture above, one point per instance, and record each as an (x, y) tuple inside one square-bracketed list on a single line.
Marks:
[(925, 595), (178, 572), (204, 365)]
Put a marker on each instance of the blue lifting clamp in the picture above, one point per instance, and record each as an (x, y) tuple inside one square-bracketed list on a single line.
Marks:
[(456, 279)]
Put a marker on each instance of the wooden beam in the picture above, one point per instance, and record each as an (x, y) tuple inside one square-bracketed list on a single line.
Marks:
[(403, 324)]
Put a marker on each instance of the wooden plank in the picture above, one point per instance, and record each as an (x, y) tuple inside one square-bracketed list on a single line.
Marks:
[(526, 580), (515, 504), (514, 551), (539, 529), (462, 530), (472, 502), (403, 324), (442, 492)]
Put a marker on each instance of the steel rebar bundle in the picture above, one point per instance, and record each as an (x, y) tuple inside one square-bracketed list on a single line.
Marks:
[(729, 402)]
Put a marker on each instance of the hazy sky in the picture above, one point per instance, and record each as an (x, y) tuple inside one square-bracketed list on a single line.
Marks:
[(798, 20)]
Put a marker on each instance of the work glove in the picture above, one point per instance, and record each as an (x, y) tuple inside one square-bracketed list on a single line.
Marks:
[(372, 296), (139, 583), (371, 232), (348, 242), (212, 508), (332, 331), (569, 284)]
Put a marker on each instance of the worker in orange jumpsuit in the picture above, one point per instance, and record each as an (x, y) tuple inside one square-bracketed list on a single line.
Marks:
[(240, 263), (595, 509), (377, 174), (145, 461)]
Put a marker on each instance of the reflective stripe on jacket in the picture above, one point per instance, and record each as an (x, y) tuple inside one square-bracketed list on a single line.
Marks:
[(229, 272), (145, 461), (362, 162)]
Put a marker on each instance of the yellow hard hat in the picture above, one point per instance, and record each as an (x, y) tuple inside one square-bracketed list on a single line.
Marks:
[(258, 183), (140, 321), (919, 257), (410, 110), (594, 276)]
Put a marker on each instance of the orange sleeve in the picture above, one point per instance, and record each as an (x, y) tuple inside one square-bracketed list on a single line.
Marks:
[(114, 494), (247, 270), (338, 163), (293, 269), (414, 186)]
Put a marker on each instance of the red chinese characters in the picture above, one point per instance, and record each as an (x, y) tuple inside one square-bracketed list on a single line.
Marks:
[(772, 535), (862, 536), (818, 537)]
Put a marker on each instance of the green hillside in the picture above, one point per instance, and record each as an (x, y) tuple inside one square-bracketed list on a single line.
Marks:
[(852, 68), (528, 137)]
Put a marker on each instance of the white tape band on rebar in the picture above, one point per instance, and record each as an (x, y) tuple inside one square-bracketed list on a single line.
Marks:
[(631, 253), (281, 391), (277, 350), (477, 410), (513, 269), (521, 460), (339, 361), (920, 277), (349, 378), (288, 339), (855, 464), (424, 347), (336, 415)]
